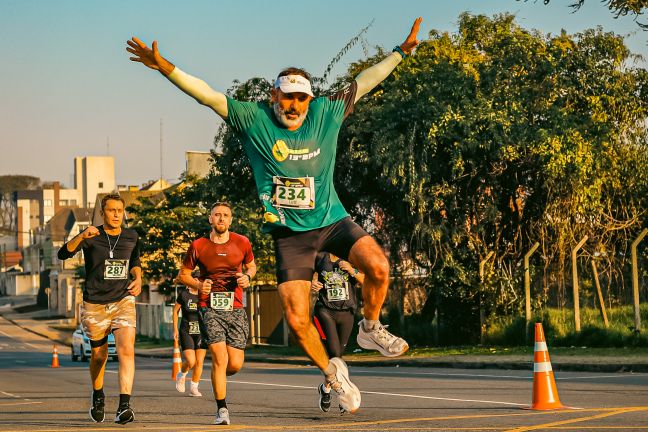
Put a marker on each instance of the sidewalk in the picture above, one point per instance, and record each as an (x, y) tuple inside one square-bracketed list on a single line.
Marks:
[(37, 322)]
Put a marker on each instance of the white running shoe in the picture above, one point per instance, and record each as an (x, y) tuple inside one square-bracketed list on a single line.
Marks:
[(348, 394), (193, 391), (381, 340), (222, 417), (180, 382)]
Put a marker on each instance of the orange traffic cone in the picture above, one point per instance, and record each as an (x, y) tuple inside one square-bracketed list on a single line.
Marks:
[(55, 361), (177, 360), (545, 393)]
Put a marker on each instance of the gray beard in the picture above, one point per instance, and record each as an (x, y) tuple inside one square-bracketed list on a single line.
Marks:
[(280, 114)]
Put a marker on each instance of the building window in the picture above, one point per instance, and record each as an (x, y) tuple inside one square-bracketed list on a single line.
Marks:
[(73, 202), (100, 184), (63, 202), (47, 203)]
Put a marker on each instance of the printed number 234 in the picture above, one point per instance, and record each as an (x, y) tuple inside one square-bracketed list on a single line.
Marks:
[(291, 193)]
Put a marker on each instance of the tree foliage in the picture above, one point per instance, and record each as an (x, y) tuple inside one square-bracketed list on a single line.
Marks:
[(491, 139), (617, 7)]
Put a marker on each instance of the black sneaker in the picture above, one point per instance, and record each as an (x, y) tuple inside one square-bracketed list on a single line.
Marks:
[(124, 414), (324, 398), (96, 412)]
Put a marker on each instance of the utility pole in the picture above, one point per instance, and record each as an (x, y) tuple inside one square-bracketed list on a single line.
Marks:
[(635, 281), (574, 255)]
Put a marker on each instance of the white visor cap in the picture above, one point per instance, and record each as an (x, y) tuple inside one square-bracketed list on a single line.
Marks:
[(294, 84)]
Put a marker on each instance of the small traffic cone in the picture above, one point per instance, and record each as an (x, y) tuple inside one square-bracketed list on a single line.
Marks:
[(177, 360), (545, 393), (55, 361)]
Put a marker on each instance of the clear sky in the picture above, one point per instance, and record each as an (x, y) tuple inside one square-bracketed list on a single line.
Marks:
[(68, 89)]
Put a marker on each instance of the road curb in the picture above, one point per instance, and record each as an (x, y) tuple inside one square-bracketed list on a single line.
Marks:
[(422, 362)]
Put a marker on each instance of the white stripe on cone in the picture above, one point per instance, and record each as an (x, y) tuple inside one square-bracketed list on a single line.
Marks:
[(540, 346), (542, 367)]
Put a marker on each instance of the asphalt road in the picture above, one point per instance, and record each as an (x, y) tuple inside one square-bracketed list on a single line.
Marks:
[(35, 397)]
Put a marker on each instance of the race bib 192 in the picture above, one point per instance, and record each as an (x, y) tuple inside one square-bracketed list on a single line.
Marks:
[(293, 192), (338, 292), (223, 301), (116, 269)]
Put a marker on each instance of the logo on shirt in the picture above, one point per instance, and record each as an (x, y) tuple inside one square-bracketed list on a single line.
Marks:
[(281, 152)]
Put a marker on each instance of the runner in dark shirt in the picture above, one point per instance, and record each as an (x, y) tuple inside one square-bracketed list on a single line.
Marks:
[(113, 280), (191, 341), (106, 278), (334, 282)]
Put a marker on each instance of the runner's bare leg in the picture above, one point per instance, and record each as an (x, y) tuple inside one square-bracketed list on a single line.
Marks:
[(369, 257), (295, 299)]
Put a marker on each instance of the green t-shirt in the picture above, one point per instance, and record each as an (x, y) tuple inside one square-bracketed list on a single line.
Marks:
[(293, 170)]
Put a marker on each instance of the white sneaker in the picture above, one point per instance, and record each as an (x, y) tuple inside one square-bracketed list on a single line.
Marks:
[(180, 382), (193, 390), (348, 394), (222, 417), (381, 340)]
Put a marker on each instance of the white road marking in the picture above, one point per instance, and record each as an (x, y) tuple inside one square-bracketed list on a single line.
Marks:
[(445, 399), (381, 393), (26, 401), (20, 403)]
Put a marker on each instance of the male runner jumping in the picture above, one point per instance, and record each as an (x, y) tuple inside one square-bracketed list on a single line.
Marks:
[(291, 147), (111, 254), (223, 321)]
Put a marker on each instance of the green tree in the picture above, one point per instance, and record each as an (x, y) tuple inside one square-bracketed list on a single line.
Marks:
[(617, 7), (490, 139)]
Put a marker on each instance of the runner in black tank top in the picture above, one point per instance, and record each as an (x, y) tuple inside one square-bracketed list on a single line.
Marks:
[(334, 281), (193, 346)]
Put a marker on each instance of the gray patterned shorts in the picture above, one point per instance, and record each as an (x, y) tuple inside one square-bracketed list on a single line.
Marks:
[(229, 326)]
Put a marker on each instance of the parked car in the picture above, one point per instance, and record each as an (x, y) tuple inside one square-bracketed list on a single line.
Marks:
[(81, 345)]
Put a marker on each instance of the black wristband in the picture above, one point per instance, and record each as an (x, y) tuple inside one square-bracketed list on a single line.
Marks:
[(400, 51)]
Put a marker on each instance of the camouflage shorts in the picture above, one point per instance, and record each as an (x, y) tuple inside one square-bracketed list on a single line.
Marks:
[(98, 320), (228, 326)]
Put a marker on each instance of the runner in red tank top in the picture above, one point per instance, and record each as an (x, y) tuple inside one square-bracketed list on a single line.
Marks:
[(226, 266)]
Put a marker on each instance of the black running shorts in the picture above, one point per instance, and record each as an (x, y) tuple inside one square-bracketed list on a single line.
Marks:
[(296, 250), (191, 341)]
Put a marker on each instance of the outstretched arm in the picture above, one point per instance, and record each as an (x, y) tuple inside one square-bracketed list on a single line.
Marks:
[(194, 87), (371, 77)]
